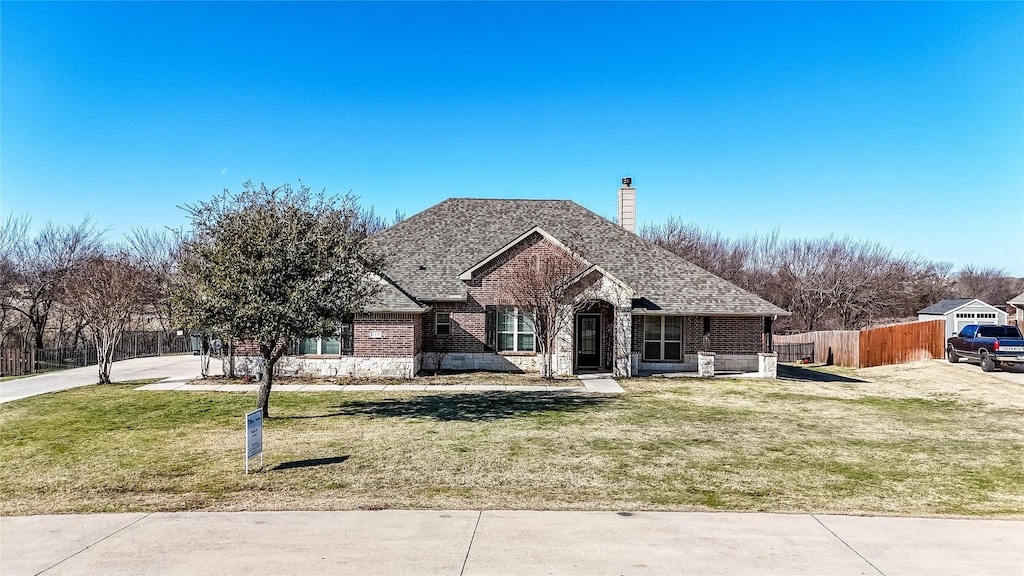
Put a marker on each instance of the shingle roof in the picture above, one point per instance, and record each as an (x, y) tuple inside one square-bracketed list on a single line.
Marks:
[(392, 299), (943, 306), (1018, 299), (433, 247)]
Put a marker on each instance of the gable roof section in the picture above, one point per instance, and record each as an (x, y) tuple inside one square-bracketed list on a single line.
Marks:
[(468, 274), (943, 307), (1017, 300), (435, 247)]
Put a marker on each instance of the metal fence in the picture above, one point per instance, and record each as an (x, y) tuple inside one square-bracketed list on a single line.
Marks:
[(795, 352), (132, 345)]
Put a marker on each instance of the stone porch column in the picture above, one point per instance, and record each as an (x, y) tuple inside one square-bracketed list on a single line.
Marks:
[(623, 343), (564, 346)]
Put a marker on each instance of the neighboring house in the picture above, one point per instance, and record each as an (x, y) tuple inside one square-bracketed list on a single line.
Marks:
[(1017, 304), (959, 312), (649, 309)]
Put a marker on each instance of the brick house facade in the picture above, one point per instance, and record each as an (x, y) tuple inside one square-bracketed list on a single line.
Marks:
[(639, 308)]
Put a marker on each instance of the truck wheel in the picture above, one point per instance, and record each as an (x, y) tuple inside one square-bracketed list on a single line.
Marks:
[(987, 363), (952, 356)]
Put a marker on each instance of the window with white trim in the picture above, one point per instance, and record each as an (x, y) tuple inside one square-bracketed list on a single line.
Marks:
[(443, 323), (341, 344), (515, 331), (663, 338)]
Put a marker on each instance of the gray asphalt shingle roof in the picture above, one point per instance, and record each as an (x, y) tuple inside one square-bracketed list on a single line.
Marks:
[(392, 299), (433, 247), (943, 306)]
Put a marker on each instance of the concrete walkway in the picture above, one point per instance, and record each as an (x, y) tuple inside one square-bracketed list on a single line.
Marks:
[(502, 542), (601, 383), (178, 371)]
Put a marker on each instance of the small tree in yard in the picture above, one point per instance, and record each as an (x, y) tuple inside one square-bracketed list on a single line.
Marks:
[(541, 290), (274, 265), (107, 293)]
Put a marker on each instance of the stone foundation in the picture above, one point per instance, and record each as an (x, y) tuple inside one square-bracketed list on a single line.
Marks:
[(737, 363), (488, 361), (335, 366)]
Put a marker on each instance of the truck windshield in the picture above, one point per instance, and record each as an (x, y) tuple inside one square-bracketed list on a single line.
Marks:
[(999, 332)]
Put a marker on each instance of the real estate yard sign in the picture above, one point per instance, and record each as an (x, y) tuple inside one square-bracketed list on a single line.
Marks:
[(253, 437)]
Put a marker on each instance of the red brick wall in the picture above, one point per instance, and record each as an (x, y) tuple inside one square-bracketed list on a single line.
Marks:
[(729, 334), (468, 333), (401, 337), (638, 335), (400, 331)]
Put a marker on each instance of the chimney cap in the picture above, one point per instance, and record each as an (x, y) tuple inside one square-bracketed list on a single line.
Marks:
[(627, 182)]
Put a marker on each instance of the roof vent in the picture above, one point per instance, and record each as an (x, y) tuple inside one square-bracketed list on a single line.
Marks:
[(627, 205)]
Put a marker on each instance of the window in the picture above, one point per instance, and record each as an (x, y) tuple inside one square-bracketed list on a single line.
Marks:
[(443, 323), (515, 331), (663, 338), (340, 344)]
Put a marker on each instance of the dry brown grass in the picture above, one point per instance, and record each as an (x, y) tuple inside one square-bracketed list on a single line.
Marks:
[(913, 440)]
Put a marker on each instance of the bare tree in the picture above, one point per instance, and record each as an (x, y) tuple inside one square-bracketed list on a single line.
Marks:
[(991, 285), (155, 253), (42, 264), (439, 347), (109, 293), (13, 233), (548, 291)]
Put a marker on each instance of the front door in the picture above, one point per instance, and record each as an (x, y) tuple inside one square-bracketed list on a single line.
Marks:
[(588, 341)]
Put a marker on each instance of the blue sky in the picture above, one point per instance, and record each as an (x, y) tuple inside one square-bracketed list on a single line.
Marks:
[(901, 123)]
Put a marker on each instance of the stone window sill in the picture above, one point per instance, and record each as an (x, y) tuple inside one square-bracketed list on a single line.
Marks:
[(506, 353)]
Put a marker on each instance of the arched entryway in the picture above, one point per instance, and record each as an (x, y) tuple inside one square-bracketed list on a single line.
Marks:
[(594, 337)]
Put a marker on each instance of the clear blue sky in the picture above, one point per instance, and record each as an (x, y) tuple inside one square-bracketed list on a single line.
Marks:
[(902, 123)]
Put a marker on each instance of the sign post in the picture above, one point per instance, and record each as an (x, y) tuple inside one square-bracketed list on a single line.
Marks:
[(253, 437)]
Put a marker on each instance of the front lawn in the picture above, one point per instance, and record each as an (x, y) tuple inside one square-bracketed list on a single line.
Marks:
[(867, 441)]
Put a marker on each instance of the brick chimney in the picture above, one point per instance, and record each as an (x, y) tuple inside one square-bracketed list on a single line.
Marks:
[(627, 205)]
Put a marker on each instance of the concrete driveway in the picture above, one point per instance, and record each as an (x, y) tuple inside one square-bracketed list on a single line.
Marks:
[(177, 368), (1013, 373), (468, 542)]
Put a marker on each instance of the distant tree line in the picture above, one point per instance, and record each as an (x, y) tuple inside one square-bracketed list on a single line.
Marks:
[(831, 283), (65, 285)]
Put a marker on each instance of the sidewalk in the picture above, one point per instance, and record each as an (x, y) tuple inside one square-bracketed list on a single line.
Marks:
[(505, 542)]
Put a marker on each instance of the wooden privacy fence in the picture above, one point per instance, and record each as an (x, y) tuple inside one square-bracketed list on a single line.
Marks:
[(15, 362), (894, 344), (902, 343), (841, 347)]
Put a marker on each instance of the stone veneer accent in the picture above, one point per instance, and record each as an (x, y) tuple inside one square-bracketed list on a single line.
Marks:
[(768, 364), (333, 366), (490, 361), (706, 364)]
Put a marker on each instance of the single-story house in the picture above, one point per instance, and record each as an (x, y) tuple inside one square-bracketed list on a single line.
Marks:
[(646, 309), (1017, 302), (959, 312)]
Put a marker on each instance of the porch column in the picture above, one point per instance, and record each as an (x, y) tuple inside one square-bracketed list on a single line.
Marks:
[(623, 342), (564, 346)]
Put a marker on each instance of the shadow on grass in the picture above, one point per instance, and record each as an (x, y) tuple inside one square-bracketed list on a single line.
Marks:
[(786, 372), (310, 462), (465, 406)]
